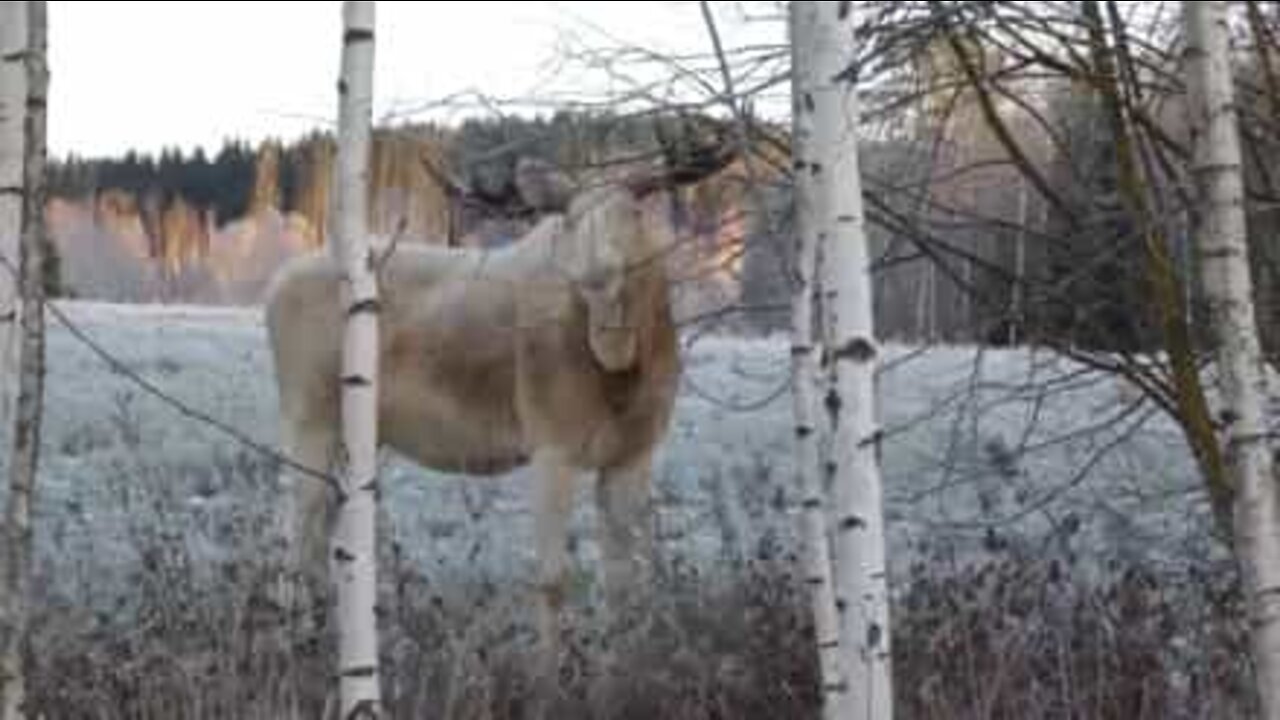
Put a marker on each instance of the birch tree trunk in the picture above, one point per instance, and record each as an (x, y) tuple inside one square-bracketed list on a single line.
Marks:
[(804, 366), (1224, 268), (851, 350), (25, 442), (13, 98), (352, 546)]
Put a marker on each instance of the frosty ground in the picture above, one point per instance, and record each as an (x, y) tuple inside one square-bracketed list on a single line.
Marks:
[(979, 447)]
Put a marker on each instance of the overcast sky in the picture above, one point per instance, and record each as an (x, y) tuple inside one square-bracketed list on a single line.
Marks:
[(158, 74)]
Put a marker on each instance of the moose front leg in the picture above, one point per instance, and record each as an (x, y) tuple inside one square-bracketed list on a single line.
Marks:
[(626, 530), (554, 477), (626, 543), (302, 515), (301, 531)]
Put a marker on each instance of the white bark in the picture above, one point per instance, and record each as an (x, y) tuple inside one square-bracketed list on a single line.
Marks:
[(29, 405), (804, 364), (13, 97), (353, 547), (862, 584), (1224, 267)]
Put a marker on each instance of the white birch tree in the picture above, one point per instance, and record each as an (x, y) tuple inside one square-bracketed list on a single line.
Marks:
[(852, 353), (1224, 267), (804, 361), (13, 98), (352, 549), (29, 403)]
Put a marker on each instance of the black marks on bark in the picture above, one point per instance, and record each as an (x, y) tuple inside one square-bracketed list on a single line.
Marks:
[(853, 522), (875, 634), (356, 35), (371, 306), (365, 671), (833, 404), (858, 349)]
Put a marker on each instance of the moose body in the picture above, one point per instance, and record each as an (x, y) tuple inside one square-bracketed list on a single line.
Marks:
[(558, 351)]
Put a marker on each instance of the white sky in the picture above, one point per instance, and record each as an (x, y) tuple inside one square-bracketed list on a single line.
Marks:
[(158, 74)]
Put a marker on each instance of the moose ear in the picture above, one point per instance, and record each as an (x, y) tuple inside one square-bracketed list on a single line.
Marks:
[(542, 186)]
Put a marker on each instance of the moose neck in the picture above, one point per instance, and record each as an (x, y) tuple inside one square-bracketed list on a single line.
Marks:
[(655, 329)]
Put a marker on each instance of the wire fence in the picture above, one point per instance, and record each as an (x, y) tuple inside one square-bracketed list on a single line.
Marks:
[(122, 369)]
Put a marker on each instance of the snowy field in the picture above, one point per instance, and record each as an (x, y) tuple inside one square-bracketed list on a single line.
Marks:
[(982, 449)]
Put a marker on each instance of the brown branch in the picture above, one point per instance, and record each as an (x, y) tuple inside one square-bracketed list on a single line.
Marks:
[(1192, 404), (1263, 40)]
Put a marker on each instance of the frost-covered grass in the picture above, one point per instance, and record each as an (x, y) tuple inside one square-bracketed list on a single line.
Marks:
[(978, 445), (1011, 459)]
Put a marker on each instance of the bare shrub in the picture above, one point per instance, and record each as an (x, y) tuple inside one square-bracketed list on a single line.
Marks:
[(1029, 635), (191, 632)]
